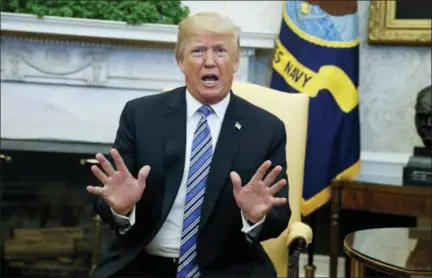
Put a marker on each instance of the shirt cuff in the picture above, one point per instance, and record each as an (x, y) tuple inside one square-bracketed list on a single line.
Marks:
[(125, 222), (251, 230)]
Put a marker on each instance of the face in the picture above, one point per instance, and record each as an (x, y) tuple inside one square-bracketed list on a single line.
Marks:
[(423, 117), (209, 63)]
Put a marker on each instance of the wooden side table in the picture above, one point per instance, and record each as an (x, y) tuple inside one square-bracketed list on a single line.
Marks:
[(381, 198), (398, 252)]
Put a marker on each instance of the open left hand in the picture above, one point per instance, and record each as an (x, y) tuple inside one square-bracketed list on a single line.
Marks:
[(256, 199)]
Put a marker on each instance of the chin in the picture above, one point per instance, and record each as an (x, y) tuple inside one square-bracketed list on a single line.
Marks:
[(213, 94)]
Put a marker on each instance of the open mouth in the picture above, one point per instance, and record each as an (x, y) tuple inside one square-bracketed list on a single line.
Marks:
[(210, 80)]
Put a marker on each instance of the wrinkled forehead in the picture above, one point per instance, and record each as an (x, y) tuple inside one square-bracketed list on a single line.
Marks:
[(210, 40)]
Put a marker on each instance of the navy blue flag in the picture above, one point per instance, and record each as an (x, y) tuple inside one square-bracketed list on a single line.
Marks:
[(317, 53)]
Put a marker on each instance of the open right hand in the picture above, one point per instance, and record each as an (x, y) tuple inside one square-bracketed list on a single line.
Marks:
[(121, 191)]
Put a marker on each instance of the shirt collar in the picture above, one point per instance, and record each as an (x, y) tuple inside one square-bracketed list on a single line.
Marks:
[(219, 108)]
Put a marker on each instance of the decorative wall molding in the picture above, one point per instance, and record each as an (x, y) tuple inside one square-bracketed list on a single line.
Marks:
[(147, 68), (90, 31), (62, 64)]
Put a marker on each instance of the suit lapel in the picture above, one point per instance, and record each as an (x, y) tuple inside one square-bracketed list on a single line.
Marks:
[(174, 128), (223, 157)]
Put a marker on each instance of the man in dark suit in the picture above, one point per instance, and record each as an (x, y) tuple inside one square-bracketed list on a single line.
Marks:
[(199, 176)]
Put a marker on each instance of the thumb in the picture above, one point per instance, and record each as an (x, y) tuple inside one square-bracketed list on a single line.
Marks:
[(143, 174), (236, 181)]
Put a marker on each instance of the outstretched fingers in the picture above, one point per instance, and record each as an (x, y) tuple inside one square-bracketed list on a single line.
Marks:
[(143, 174), (236, 181), (270, 178), (106, 165), (276, 201), (262, 170), (118, 160), (277, 187), (96, 190), (101, 176)]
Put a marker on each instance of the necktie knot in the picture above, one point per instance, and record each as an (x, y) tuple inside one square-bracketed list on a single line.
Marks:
[(205, 110)]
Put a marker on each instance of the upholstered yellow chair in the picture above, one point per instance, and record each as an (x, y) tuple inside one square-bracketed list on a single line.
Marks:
[(292, 109)]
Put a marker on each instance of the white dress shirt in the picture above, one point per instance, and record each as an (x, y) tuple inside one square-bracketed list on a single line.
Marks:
[(166, 243)]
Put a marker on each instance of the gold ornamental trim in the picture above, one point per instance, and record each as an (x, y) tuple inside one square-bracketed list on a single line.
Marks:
[(384, 28)]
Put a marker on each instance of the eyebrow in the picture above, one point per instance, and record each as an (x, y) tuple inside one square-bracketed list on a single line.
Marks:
[(218, 44)]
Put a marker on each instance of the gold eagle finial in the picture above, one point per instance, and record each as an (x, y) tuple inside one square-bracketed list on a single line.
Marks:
[(304, 8)]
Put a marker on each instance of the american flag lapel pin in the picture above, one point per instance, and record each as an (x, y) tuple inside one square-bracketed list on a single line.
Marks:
[(237, 125)]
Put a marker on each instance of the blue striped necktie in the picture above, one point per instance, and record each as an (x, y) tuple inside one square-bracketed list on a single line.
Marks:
[(199, 167)]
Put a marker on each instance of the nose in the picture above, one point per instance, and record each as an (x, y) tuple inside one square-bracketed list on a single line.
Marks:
[(209, 61)]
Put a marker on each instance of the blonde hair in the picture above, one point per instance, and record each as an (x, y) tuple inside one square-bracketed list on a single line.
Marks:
[(205, 23)]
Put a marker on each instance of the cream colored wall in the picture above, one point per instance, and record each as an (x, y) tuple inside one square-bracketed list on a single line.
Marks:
[(390, 76)]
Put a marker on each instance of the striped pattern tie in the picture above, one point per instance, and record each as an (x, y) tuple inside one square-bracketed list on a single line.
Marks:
[(199, 167)]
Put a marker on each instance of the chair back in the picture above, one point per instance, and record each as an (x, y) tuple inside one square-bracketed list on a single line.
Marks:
[(292, 109)]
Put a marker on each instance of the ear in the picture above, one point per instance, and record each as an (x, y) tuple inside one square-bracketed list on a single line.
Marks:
[(236, 63), (181, 65)]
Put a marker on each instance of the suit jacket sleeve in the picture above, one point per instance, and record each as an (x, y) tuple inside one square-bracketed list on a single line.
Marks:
[(125, 144), (277, 219)]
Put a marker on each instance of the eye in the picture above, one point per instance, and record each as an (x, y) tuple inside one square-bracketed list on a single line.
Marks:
[(221, 49), (197, 51)]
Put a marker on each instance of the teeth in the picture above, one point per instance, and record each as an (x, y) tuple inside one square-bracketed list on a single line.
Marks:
[(209, 83)]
